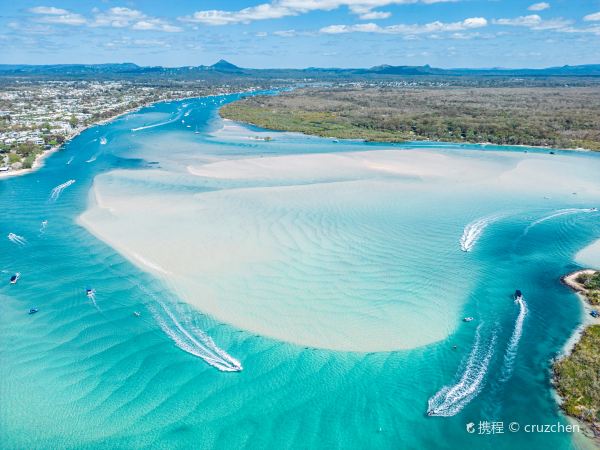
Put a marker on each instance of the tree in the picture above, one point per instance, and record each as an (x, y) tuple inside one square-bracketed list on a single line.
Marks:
[(73, 121)]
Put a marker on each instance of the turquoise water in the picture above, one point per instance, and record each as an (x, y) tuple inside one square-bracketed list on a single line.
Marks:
[(384, 248)]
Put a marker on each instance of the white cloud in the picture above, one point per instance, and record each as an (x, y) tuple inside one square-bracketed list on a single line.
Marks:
[(592, 17), (128, 42), (284, 8), (51, 10), (63, 19), (286, 33), (534, 22), (246, 15), (589, 30), (117, 17), (432, 27), (539, 6), (521, 21), (375, 15)]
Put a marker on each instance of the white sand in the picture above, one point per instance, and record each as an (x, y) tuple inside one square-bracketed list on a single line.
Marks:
[(590, 256), (342, 251)]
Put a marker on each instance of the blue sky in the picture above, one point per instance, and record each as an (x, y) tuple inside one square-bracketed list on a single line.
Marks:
[(302, 33)]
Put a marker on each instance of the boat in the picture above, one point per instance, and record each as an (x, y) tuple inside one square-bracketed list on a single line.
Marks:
[(33, 310), (518, 295), (15, 278), (90, 292), (468, 319), (136, 314)]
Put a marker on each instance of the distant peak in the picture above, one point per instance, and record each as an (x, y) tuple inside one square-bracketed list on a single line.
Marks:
[(222, 64)]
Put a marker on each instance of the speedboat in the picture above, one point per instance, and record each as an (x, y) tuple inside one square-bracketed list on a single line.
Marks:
[(518, 295), (90, 292), (468, 319), (33, 310), (136, 314), (15, 278)]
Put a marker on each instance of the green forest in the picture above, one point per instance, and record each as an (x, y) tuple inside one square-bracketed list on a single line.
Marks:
[(558, 117)]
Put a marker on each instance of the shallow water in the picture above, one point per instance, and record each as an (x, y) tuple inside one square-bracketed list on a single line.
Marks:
[(333, 273)]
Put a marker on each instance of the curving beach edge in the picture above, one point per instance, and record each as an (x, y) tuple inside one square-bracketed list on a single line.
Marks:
[(576, 374)]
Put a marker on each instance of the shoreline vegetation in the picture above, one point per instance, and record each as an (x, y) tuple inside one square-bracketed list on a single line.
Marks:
[(576, 375), (550, 117)]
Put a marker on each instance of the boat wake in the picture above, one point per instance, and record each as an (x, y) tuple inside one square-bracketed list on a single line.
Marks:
[(91, 294), (59, 189), (70, 160), (559, 213), (513, 343), (450, 400), (146, 127), (16, 239), (43, 226), (93, 158), (192, 340), (474, 230)]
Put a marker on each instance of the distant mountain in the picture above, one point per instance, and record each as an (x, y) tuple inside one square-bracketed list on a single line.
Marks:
[(225, 66), (404, 70), (69, 68), (225, 69), (585, 70)]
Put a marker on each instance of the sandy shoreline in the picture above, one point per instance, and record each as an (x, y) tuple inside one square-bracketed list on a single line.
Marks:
[(570, 280)]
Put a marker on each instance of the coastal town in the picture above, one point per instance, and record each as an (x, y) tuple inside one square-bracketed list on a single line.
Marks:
[(37, 117)]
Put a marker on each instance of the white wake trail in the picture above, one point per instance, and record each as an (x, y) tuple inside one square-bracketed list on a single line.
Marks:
[(474, 230), (59, 189), (559, 213), (146, 127), (450, 400), (513, 343), (190, 339), (16, 239)]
